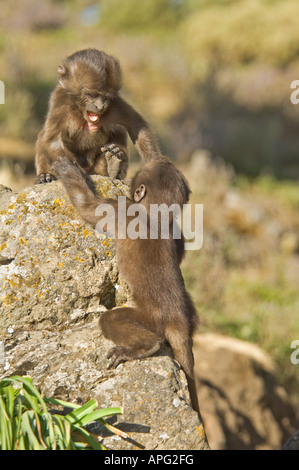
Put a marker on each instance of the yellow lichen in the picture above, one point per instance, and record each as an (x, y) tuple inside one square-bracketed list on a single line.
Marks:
[(22, 197), (8, 299), (201, 431)]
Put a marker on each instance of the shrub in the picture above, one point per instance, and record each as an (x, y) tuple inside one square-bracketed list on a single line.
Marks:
[(26, 423)]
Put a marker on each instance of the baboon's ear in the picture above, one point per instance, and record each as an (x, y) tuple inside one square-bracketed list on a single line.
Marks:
[(139, 193), (62, 73)]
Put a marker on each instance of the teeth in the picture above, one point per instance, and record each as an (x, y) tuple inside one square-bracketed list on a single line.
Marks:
[(93, 117)]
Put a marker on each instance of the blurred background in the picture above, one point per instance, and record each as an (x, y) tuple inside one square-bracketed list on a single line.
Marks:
[(213, 77)]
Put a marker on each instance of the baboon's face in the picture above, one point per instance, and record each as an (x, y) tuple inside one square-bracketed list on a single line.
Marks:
[(91, 79), (93, 103)]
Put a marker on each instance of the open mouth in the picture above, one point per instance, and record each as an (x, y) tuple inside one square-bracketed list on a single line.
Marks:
[(93, 117), (93, 121)]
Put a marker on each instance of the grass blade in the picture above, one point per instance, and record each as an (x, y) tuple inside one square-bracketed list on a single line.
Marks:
[(26, 424), (98, 414), (114, 430), (17, 423), (3, 425), (29, 387), (28, 432), (79, 413), (62, 429), (65, 404), (94, 444)]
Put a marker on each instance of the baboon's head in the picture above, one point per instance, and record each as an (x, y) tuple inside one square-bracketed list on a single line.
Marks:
[(90, 79)]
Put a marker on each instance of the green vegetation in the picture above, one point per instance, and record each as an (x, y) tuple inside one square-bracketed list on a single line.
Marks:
[(26, 423), (219, 71), (136, 16)]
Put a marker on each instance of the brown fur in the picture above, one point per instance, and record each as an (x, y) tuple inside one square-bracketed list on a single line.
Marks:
[(88, 121), (164, 310)]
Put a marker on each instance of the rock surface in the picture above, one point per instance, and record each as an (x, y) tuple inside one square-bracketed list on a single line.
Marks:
[(292, 443), (56, 277), (242, 405), (61, 268)]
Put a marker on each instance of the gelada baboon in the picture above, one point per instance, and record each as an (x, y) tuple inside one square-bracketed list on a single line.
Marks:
[(164, 310), (88, 121)]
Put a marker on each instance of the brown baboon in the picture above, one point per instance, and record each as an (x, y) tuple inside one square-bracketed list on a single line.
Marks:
[(88, 121), (164, 310)]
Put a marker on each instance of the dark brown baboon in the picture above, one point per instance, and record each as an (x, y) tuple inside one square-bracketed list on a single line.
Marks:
[(164, 310), (88, 121)]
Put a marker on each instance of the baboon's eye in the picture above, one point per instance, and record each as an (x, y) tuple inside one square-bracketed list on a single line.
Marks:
[(92, 95)]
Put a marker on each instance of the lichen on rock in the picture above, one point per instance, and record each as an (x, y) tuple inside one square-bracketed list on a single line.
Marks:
[(59, 276)]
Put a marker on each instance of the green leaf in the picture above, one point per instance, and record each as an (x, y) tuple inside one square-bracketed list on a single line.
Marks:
[(4, 426), (16, 424), (9, 395), (66, 404), (27, 430), (97, 414), (76, 415), (95, 445), (26, 424), (31, 401), (62, 429), (29, 387)]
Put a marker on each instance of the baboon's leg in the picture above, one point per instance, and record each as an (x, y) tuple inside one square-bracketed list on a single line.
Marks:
[(133, 340)]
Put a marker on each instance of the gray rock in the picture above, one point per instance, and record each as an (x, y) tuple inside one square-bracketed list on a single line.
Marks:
[(242, 404), (59, 264), (292, 443), (59, 277)]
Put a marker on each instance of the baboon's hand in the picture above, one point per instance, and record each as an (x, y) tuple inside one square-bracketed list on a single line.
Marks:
[(45, 178), (114, 157)]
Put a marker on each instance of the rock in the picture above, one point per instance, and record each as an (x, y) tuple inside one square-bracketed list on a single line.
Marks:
[(59, 264), (60, 276), (71, 364), (241, 403), (292, 443)]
